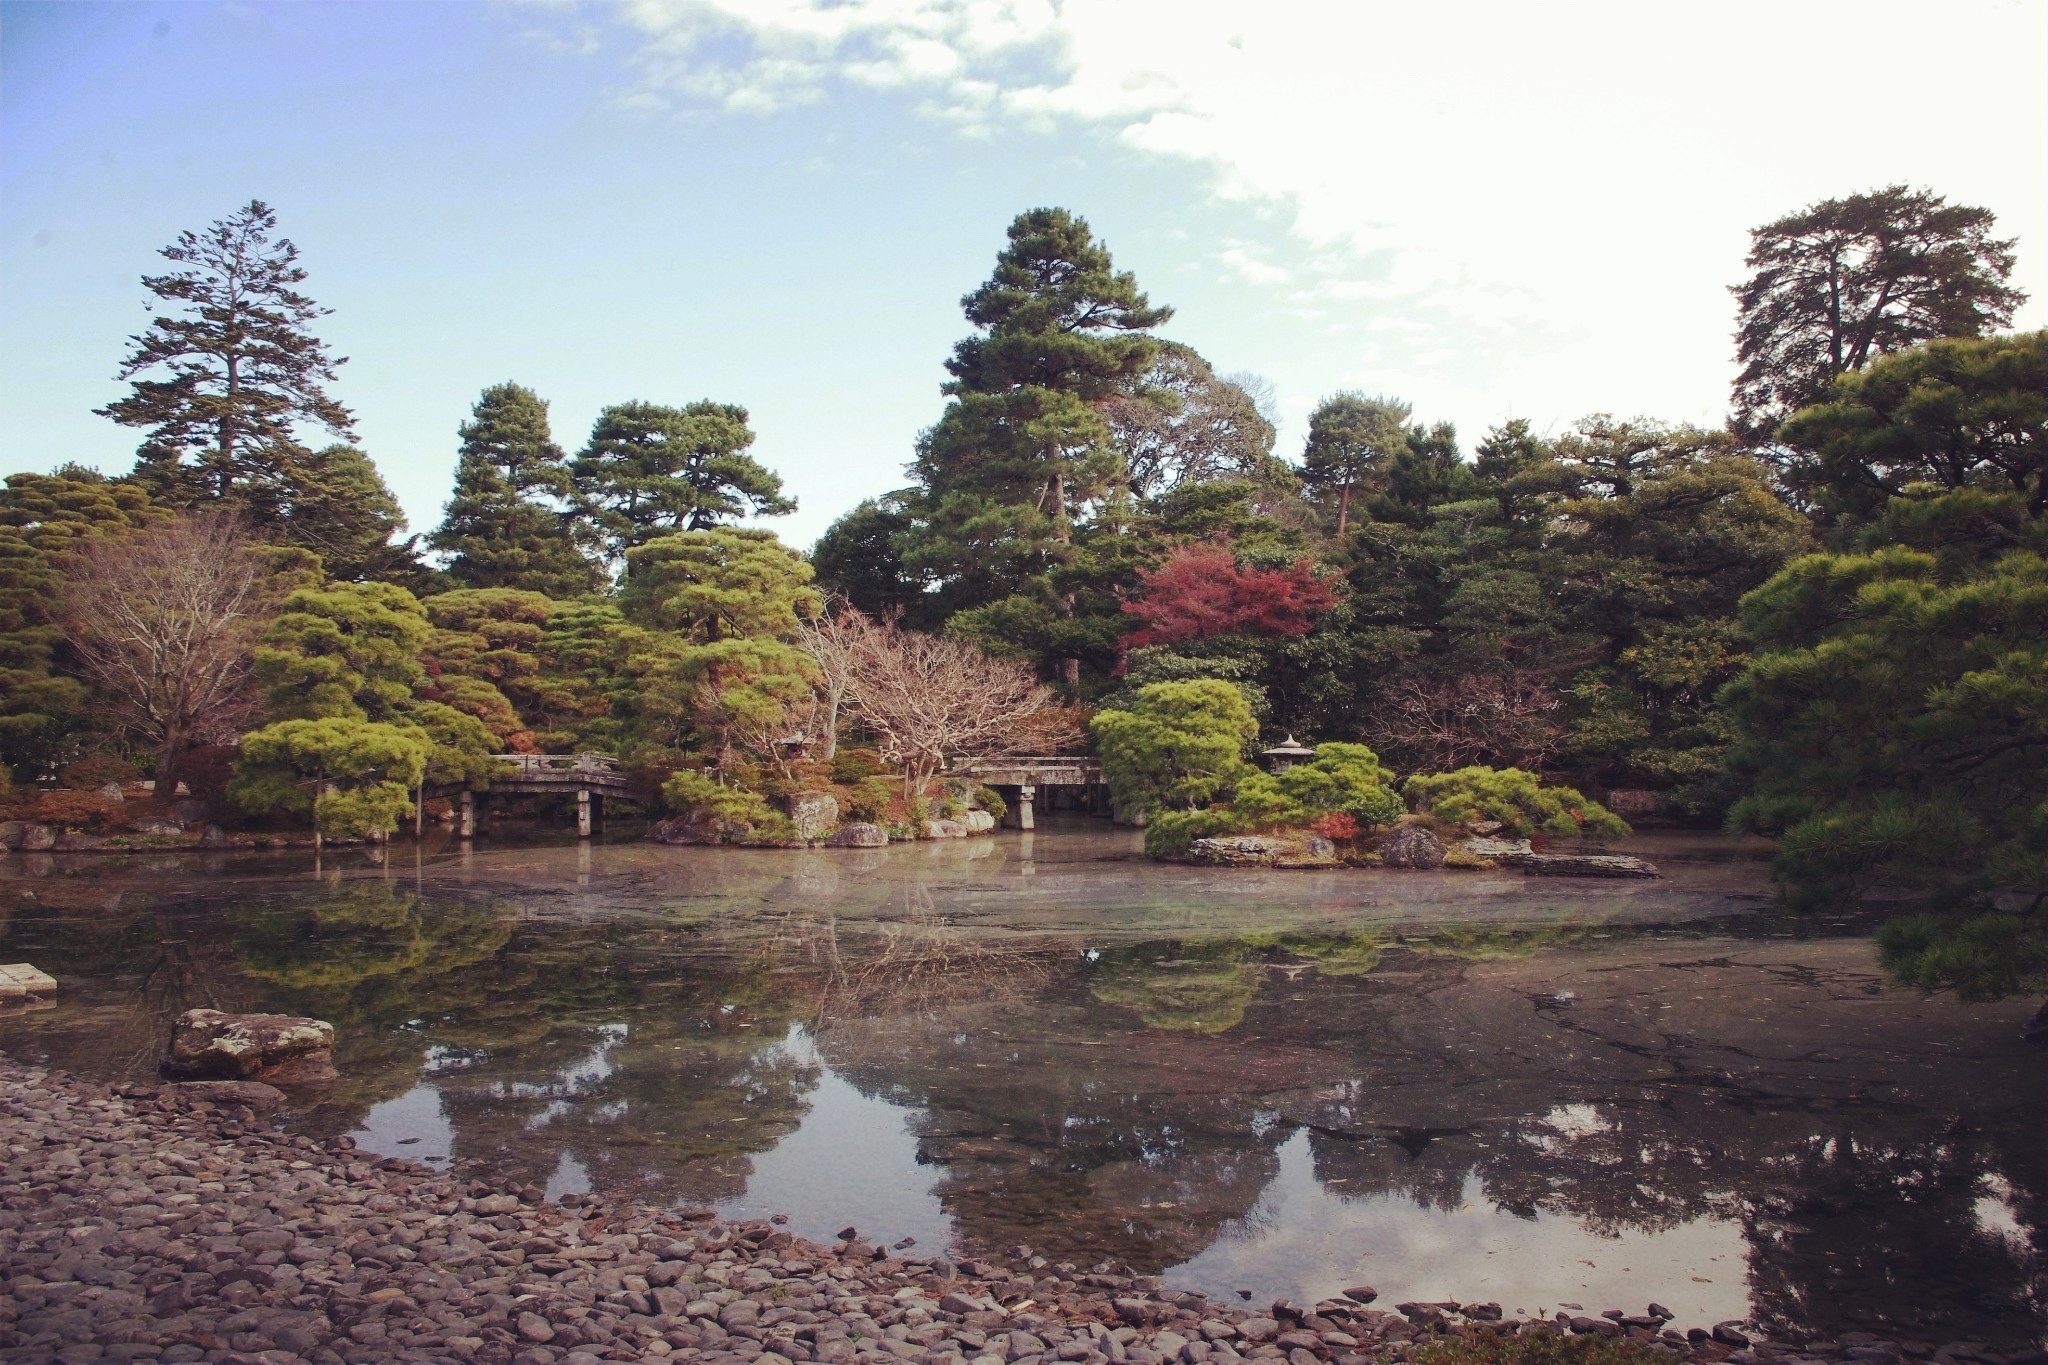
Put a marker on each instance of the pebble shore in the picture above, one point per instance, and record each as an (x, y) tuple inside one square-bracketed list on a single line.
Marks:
[(172, 1223)]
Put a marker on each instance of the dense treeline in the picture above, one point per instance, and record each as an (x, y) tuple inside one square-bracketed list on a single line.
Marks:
[(1824, 621)]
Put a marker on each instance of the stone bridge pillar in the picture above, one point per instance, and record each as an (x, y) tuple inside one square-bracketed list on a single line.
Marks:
[(584, 811), (1025, 819), (466, 814)]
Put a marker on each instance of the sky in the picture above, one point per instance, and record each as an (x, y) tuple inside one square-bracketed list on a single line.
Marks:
[(1489, 211)]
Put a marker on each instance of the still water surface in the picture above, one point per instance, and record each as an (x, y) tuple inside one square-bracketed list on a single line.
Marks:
[(1448, 1085)]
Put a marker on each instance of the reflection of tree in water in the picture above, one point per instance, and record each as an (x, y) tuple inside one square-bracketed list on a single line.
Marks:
[(659, 1077), (1206, 985), (128, 964), (378, 961)]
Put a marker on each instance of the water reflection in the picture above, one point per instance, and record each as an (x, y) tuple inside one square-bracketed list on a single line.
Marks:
[(1446, 1085)]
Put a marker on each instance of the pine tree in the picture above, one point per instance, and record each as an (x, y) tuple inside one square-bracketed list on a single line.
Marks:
[(1023, 452), (503, 528), (651, 470), (240, 370)]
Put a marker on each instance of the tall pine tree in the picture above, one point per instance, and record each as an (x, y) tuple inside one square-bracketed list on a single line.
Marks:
[(233, 374), (506, 526), (1023, 454)]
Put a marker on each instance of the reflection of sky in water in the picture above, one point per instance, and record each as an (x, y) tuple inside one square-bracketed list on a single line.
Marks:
[(412, 1125), (853, 1160), (1304, 1241)]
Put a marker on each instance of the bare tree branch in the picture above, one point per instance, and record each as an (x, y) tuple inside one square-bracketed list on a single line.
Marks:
[(163, 621)]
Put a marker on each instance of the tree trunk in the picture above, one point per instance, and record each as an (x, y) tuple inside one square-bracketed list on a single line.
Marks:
[(832, 702), (1344, 509), (167, 755)]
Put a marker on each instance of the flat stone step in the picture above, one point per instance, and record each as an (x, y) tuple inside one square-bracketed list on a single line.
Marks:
[(22, 984)]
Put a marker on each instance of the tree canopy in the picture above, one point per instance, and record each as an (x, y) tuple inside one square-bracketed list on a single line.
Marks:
[(649, 470), (509, 523), (1842, 282)]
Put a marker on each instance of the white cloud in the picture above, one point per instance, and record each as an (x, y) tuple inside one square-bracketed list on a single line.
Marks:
[(1555, 197)]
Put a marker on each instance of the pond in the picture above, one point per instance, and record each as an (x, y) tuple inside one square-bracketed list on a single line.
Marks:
[(1544, 1092)]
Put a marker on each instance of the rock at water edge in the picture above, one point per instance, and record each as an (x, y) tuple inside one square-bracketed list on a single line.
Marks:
[(1243, 850), (278, 1048), (1586, 865), (813, 813), (1412, 846), (858, 834)]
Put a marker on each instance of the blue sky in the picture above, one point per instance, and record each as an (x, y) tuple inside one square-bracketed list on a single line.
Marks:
[(1490, 211)]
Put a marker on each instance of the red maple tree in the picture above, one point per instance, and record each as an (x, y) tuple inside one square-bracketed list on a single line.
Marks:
[(1201, 590)]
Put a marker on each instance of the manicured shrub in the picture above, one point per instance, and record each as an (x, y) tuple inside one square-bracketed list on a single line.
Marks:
[(850, 766), (991, 800), (1169, 832), (1342, 777), (1522, 804), (690, 792), (870, 797), (1180, 746)]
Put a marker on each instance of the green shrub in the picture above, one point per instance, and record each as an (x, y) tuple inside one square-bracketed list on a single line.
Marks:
[(1169, 832), (991, 800), (690, 792), (869, 799), (1180, 746), (1343, 778), (1515, 798), (952, 805), (853, 766)]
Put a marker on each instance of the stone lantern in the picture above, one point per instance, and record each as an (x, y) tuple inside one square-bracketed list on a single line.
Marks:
[(1285, 755)]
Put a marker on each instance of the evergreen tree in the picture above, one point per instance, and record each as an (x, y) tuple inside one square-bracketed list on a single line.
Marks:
[(506, 526), (1023, 453), (1840, 283), (42, 518), (240, 370), (651, 470), (342, 510), (1352, 442)]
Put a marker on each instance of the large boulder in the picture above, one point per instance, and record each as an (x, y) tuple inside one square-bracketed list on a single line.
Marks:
[(37, 838), (944, 829), (10, 833), (213, 836), (977, 822), (281, 1049), (813, 813), (74, 842), (111, 791), (1240, 850), (1412, 846), (157, 825), (858, 834)]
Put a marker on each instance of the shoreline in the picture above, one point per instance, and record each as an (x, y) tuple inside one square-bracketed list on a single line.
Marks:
[(172, 1223)]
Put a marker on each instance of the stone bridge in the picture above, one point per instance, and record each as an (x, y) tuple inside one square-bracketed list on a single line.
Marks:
[(1019, 779), (587, 777)]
